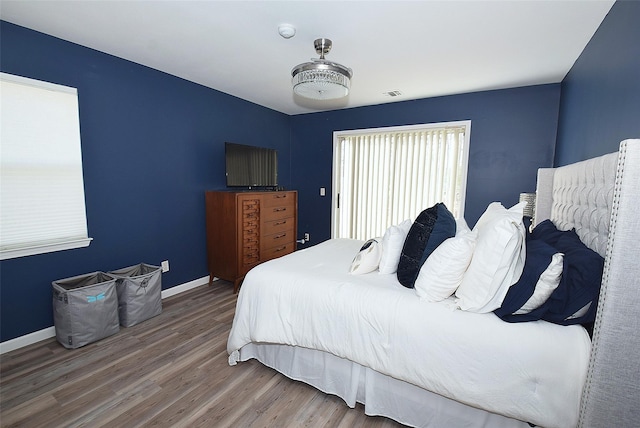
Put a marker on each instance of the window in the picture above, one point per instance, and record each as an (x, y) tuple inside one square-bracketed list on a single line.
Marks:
[(384, 176), (42, 207)]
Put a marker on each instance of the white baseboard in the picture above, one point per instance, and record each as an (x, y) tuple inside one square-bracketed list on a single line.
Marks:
[(27, 339), (185, 287), (46, 333)]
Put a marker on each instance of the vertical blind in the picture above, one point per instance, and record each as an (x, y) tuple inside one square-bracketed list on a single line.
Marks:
[(42, 206), (383, 178)]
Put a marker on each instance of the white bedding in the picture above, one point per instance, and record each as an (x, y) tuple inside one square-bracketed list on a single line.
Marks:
[(529, 371)]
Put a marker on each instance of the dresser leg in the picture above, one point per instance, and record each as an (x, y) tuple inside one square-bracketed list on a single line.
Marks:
[(236, 285), (211, 276)]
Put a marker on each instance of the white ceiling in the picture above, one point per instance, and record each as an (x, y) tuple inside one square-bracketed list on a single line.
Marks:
[(420, 48)]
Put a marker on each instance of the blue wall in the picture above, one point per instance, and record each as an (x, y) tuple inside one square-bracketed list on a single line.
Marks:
[(513, 133), (600, 103), (151, 145)]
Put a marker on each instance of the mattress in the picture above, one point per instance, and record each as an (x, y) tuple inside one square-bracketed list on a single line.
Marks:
[(532, 371)]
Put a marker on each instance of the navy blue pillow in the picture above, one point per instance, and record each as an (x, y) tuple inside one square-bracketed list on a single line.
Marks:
[(579, 286), (539, 256), (430, 229), (580, 283), (547, 232)]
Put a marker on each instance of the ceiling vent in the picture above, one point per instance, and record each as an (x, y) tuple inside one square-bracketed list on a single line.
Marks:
[(393, 93)]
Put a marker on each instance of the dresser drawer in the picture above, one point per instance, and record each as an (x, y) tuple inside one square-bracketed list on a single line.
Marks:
[(276, 239), (250, 239), (279, 225), (279, 199), (276, 213), (250, 209), (242, 270), (277, 251), (250, 204), (250, 216), (250, 225), (251, 258)]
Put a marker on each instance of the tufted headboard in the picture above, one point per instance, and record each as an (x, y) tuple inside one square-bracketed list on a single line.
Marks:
[(579, 196), (600, 198)]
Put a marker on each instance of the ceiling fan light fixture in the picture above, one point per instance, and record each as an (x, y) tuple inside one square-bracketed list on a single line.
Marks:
[(321, 79)]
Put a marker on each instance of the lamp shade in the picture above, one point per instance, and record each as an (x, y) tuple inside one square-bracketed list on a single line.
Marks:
[(530, 209)]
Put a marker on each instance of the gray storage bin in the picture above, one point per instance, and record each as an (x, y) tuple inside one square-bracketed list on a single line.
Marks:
[(85, 309), (139, 291)]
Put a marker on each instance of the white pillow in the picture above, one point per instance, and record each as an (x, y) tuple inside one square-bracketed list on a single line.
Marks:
[(461, 226), (497, 261), (442, 272), (547, 283), (367, 259), (392, 243)]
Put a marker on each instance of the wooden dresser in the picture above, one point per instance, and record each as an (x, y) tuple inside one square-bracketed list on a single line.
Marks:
[(245, 229)]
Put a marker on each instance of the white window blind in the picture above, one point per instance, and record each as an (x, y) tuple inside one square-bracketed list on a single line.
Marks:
[(42, 206), (384, 176)]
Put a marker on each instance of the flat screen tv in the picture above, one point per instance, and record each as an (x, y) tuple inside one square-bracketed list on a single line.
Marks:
[(250, 166)]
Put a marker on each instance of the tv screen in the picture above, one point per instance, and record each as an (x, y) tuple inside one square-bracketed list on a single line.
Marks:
[(249, 166)]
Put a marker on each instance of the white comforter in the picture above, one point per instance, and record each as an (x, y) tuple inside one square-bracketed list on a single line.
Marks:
[(529, 371)]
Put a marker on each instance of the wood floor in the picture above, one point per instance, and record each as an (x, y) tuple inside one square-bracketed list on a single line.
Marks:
[(170, 370)]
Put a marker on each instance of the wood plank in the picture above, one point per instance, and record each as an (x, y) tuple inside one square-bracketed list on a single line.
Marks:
[(171, 370)]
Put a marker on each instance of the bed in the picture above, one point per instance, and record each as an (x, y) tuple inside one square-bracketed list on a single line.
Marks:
[(367, 339)]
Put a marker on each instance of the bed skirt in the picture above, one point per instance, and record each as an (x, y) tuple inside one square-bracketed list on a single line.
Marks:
[(380, 394)]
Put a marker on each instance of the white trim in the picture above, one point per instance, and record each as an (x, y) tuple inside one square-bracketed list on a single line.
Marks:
[(41, 84), (44, 248), (49, 332), (185, 287), (27, 339)]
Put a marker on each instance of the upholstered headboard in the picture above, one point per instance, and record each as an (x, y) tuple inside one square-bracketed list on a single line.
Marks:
[(579, 196), (600, 198)]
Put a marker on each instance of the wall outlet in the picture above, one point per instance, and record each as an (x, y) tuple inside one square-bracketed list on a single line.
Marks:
[(165, 266), (306, 237)]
